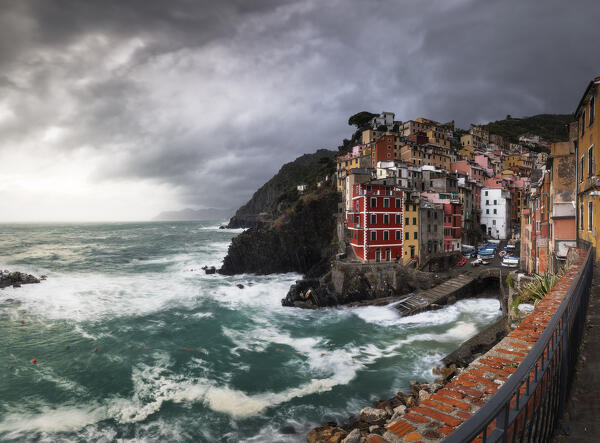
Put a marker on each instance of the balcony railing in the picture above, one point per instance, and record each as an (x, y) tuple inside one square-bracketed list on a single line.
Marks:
[(528, 406)]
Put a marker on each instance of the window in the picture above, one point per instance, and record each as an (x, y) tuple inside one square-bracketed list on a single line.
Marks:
[(373, 219), (590, 215), (398, 235), (406, 235), (591, 161), (581, 216), (386, 202), (487, 211), (592, 110), (581, 169), (487, 202), (486, 193), (386, 235), (373, 235), (435, 228), (386, 219), (414, 221), (494, 222), (414, 208), (406, 220), (397, 203), (583, 122), (495, 202), (373, 202), (415, 236), (428, 228), (495, 211)]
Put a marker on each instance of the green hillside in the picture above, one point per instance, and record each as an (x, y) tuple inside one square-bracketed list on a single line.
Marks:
[(551, 127)]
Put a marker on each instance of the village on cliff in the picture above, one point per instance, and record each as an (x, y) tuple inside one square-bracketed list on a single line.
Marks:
[(422, 192)]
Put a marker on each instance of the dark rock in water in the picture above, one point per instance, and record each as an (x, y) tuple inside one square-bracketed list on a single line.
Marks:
[(16, 279), (211, 270), (222, 227), (303, 242), (239, 285), (354, 283), (287, 429)]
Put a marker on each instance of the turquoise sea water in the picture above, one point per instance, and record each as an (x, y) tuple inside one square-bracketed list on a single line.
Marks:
[(184, 356)]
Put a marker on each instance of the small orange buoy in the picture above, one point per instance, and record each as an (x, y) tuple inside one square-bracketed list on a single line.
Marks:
[(245, 350), (22, 321), (96, 350), (299, 353), (200, 351), (11, 367), (34, 360)]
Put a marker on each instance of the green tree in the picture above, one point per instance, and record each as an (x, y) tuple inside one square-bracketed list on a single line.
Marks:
[(360, 119)]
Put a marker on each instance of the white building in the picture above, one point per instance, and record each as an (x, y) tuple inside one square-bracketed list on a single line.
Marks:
[(385, 119), (495, 213)]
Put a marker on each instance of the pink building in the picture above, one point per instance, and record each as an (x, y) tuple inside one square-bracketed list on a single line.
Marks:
[(357, 150), (472, 171)]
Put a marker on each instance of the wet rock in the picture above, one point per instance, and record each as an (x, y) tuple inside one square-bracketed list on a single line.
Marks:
[(211, 270), (239, 285), (423, 395), (287, 430), (16, 279), (353, 437), (373, 415), (327, 433)]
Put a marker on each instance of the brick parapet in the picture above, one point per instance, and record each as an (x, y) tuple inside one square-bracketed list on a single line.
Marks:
[(445, 410)]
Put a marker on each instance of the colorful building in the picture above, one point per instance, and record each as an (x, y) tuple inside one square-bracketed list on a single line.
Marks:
[(587, 150), (495, 213), (376, 222), (411, 227)]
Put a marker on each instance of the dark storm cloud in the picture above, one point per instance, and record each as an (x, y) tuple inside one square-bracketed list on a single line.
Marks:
[(212, 97)]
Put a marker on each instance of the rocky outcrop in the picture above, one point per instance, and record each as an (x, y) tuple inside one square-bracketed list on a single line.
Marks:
[(302, 241), (373, 421), (356, 282), (16, 279), (270, 199)]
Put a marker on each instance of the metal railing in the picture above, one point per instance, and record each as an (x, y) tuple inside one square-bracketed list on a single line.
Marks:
[(530, 403)]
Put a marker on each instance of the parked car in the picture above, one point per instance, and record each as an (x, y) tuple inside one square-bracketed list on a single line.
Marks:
[(479, 261)]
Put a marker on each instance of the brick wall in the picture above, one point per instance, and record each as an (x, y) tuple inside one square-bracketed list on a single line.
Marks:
[(445, 410)]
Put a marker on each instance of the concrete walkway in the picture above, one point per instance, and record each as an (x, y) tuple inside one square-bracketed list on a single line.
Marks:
[(582, 420), (420, 301)]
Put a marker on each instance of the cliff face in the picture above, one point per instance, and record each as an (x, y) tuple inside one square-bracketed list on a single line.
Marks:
[(264, 206), (303, 240)]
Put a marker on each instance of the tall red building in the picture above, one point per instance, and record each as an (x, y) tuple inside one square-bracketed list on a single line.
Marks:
[(375, 222), (384, 150), (452, 226)]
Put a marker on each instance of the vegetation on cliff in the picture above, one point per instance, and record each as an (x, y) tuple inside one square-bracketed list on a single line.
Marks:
[(551, 127), (273, 198)]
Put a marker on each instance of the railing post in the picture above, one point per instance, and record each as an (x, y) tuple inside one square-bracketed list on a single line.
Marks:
[(564, 363)]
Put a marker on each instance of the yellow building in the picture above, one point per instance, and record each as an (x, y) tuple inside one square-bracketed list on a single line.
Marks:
[(438, 137), (411, 228), (587, 150), (425, 155), (473, 142), (370, 136), (344, 164)]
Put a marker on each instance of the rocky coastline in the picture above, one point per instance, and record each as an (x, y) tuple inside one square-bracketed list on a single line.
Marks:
[(16, 279), (347, 283), (373, 421)]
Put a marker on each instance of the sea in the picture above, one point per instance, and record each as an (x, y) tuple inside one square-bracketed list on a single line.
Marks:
[(129, 340)]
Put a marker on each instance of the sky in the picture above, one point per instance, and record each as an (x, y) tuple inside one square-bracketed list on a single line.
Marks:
[(121, 109)]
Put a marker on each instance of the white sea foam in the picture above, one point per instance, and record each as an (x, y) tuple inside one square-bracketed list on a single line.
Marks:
[(60, 419)]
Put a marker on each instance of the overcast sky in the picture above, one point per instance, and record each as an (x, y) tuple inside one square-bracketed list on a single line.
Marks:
[(118, 110)]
